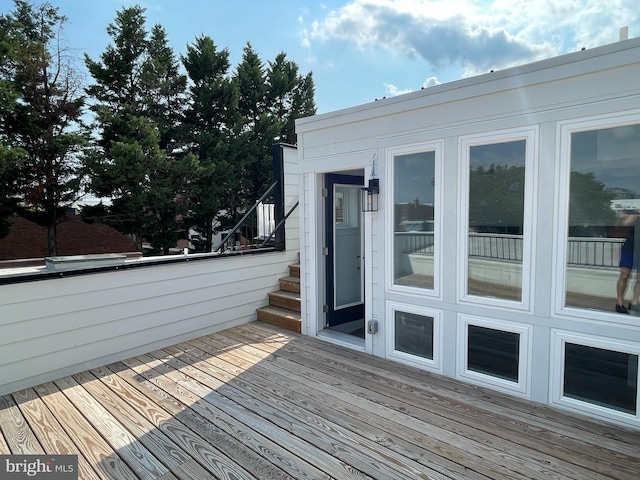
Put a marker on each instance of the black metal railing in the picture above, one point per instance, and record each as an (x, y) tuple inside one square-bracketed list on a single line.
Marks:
[(496, 246), (594, 251), (581, 251), (262, 226)]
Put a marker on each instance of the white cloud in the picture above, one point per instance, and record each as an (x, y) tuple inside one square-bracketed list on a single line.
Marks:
[(431, 82), (477, 35), (393, 91)]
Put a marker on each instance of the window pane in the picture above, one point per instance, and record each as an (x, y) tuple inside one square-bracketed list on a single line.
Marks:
[(604, 202), (496, 216), (493, 352), (413, 219), (600, 376), (414, 334)]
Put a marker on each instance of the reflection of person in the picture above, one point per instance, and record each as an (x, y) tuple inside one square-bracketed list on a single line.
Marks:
[(629, 261)]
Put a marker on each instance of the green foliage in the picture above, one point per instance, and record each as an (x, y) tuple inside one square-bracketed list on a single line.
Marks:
[(289, 96), (589, 202), (175, 142), (210, 124), (40, 110), (10, 161), (140, 162), (232, 122), (496, 199)]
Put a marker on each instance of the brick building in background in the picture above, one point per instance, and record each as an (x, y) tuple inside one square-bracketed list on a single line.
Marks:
[(75, 237)]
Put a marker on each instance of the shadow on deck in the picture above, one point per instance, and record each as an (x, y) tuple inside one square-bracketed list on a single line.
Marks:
[(257, 401)]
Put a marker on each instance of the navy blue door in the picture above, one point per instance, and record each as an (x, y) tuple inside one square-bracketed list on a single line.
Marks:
[(343, 255)]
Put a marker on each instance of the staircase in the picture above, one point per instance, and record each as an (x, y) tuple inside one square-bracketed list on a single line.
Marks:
[(284, 305)]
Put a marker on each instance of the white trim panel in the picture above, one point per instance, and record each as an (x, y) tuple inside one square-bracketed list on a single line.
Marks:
[(558, 340), (433, 365), (438, 148), (522, 387), (530, 135)]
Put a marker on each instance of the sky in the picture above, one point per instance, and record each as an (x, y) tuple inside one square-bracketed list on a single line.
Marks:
[(360, 51)]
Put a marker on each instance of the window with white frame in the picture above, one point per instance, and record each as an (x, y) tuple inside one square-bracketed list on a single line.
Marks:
[(596, 375), (495, 353), (415, 335), (416, 187), (497, 206), (602, 216)]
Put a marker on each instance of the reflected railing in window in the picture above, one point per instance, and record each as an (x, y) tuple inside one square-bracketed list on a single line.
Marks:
[(603, 170)]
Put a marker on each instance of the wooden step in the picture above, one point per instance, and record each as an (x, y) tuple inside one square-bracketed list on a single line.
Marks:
[(294, 270), (290, 284), (281, 317), (284, 299)]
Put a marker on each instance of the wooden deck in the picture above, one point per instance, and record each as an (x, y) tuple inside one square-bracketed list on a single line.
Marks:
[(259, 402)]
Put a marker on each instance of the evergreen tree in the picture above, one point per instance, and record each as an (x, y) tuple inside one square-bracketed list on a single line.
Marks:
[(252, 162), (270, 101), (289, 96), (140, 162), (11, 154), (211, 122), (41, 108)]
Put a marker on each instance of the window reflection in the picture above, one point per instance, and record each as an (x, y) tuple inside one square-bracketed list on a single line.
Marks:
[(496, 216), (493, 352), (414, 219), (414, 334), (603, 254), (602, 377)]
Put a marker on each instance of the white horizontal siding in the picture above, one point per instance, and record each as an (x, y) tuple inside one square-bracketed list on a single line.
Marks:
[(53, 328), (291, 195)]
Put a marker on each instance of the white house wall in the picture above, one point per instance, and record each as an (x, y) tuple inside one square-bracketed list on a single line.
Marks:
[(538, 96), (292, 194), (53, 328)]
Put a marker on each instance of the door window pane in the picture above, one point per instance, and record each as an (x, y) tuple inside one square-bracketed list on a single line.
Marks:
[(414, 334), (602, 377), (413, 242), (496, 218), (603, 247), (347, 246), (493, 352)]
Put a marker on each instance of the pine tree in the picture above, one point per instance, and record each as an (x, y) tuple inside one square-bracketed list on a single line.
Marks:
[(140, 161), (211, 122), (40, 125)]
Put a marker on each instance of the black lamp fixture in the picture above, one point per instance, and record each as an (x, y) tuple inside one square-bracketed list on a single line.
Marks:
[(370, 195)]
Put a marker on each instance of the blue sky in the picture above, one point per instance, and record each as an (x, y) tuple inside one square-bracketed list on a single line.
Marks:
[(362, 50)]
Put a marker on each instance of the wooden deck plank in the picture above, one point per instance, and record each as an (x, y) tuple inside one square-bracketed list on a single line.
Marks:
[(323, 409), (260, 402), (4, 446), (49, 432), (355, 420), (572, 458), (228, 434), (216, 462), (440, 438), (401, 422), (90, 442), (295, 445), (103, 386), (197, 435), (323, 434), (547, 447), (134, 453), (16, 430), (528, 413)]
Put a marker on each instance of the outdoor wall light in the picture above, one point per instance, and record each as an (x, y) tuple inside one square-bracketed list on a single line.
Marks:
[(370, 195)]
